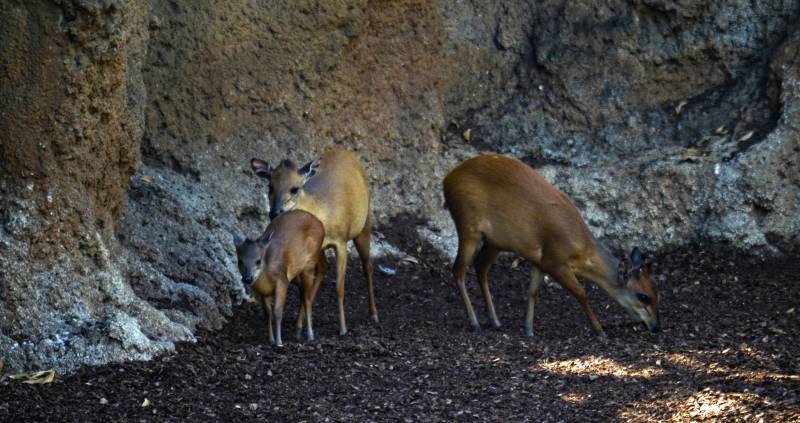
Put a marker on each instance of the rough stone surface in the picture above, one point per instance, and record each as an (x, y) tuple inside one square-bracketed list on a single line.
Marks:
[(667, 122), (71, 118)]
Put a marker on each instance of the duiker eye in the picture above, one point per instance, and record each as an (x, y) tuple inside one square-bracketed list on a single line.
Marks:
[(258, 262), (294, 190), (643, 298)]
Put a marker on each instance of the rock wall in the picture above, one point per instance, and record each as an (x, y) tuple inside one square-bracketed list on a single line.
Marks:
[(71, 118), (668, 122), (605, 77)]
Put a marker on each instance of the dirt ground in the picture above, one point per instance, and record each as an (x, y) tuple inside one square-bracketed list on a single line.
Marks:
[(728, 351)]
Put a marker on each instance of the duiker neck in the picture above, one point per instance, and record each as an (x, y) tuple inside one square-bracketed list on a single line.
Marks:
[(604, 273)]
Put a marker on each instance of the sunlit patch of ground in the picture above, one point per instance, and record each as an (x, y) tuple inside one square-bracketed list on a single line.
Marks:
[(575, 397), (739, 383), (715, 405), (707, 362), (594, 366)]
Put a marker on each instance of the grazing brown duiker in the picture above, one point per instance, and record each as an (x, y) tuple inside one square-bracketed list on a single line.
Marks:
[(509, 206)]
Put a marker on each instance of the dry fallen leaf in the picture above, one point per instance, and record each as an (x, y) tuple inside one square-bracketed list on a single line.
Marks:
[(516, 262), (790, 311), (747, 136), (146, 403), (467, 134), (680, 106), (411, 259), (721, 130), (147, 178), (695, 155), (35, 378)]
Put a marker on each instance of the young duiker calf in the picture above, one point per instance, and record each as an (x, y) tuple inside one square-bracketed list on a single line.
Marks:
[(291, 246), (333, 189), (511, 207)]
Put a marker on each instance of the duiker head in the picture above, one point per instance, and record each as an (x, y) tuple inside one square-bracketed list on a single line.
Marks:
[(250, 257), (638, 295), (286, 183)]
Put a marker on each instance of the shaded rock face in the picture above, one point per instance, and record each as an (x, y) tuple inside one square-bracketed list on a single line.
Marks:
[(577, 80), (72, 100), (667, 122)]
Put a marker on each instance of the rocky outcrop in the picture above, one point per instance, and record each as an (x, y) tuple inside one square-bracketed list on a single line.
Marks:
[(668, 122), (71, 118)]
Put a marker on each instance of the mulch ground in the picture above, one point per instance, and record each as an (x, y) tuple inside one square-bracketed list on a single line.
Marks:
[(729, 351)]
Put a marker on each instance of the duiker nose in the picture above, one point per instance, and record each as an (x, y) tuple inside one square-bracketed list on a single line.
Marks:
[(274, 213), (247, 280)]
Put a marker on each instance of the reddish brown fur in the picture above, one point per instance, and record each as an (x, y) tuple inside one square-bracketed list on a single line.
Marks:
[(294, 249), (511, 207)]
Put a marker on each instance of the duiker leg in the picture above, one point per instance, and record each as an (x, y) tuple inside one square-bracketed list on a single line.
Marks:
[(362, 246), (320, 271), (308, 300), (266, 305), (281, 287), (568, 280), (483, 262), (298, 334), (537, 280), (467, 243), (341, 269)]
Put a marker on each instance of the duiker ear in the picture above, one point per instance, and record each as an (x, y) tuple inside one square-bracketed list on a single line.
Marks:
[(237, 240), (622, 271), (261, 168), (309, 170), (648, 264), (264, 241), (636, 257)]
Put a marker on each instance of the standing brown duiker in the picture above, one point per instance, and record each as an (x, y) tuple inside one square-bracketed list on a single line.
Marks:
[(334, 189)]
